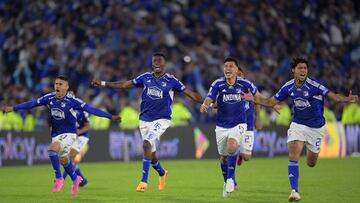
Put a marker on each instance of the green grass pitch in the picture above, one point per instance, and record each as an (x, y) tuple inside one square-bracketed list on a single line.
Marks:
[(260, 180)]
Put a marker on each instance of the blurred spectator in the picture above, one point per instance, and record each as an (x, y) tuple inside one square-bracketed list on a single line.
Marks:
[(284, 118), (180, 114), (129, 117), (329, 114), (29, 123), (351, 114), (114, 40)]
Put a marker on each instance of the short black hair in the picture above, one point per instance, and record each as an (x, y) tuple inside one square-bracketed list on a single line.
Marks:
[(62, 78), (298, 60), (159, 54), (232, 59)]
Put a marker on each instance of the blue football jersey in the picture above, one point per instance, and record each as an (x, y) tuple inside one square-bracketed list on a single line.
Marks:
[(157, 96), (82, 117), (250, 115), (308, 101), (231, 107), (63, 111)]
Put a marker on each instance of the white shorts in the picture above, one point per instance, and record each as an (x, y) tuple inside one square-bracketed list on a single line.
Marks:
[(246, 143), (66, 140), (311, 136), (223, 134), (80, 143), (152, 131)]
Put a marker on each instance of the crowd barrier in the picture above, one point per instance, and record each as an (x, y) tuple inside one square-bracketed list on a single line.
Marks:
[(191, 142)]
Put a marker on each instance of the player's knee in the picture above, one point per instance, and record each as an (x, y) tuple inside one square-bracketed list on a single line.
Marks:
[(54, 146), (73, 154), (146, 146), (246, 157), (64, 160), (293, 156), (232, 147), (311, 163)]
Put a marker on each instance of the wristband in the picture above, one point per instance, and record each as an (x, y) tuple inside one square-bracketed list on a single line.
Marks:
[(103, 83)]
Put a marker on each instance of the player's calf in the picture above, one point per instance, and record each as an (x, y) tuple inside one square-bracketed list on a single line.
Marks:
[(311, 158)]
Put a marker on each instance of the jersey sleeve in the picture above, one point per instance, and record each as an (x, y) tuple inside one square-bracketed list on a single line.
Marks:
[(78, 103), (323, 90), (178, 85), (252, 88), (281, 95), (33, 103), (139, 81), (214, 88)]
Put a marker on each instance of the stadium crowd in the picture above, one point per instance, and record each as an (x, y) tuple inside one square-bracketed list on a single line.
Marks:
[(114, 40)]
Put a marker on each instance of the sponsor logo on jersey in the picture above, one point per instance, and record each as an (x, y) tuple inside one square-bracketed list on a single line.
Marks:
[(301, 103), (231, 98), (163, 84), (57, 114), (154, 93), (306, 93)]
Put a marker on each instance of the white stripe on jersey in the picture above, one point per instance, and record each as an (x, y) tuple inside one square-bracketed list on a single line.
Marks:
[(318, 97), (73, 112), (171, 93), (79, 100), (147, 73), (218, 80), (46, 95), (172, 76), (290, 82), (312, 82)]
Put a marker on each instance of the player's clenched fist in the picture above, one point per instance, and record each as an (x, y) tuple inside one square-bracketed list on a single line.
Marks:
[(96, 83), (116, 118), (203, 108), (7, 109)]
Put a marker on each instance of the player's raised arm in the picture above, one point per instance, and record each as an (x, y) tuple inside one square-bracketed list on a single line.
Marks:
[(27, 105), (117, 85), (342, 98), (194, 96), (97, 112), (80, 105), (258, 98)]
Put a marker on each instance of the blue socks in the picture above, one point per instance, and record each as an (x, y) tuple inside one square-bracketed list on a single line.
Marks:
[(231, 163), (55, 162), (145, 170), (69, 168), (158, 168), (224, 170), (77, 171), (293, 172)]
